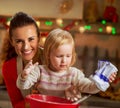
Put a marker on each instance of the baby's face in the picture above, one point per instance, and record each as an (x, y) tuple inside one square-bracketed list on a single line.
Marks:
[(60, 58)]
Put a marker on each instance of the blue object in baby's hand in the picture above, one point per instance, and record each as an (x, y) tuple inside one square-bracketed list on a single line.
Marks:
[(102, 74)]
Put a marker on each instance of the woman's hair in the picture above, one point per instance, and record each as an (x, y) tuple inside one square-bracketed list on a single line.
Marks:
[(56, 38), (20, 19)]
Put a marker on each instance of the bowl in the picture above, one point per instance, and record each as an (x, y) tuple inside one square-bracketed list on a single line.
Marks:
[(45, 101)]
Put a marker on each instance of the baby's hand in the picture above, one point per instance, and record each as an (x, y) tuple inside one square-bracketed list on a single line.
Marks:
[(28, 68), (72, 93), (112, 77)]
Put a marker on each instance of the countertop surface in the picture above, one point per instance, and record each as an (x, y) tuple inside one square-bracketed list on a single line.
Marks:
[(92, 102), (101, 102)]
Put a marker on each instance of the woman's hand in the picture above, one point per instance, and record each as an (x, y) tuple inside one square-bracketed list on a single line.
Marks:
[(72, 93)]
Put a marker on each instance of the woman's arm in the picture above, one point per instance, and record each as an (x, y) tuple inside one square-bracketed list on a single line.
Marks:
[(10, 75)]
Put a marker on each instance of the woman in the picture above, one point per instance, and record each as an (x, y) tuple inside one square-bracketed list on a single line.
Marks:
[(19, 47)]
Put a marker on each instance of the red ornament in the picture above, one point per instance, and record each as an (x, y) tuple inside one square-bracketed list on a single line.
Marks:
[(110, 14), (6, 26), (44, 34), (2, 20), (115, 18), (68, 27)]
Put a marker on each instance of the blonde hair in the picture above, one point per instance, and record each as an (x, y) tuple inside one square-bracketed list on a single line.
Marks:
[(56, 38)]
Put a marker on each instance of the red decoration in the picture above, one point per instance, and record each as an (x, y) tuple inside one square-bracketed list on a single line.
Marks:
[(110, 14), (68, 27), (115, 18), (2, 20), (44, 34), (5, 25)]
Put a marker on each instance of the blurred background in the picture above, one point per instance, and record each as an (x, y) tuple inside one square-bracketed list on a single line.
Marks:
[(94, 24)]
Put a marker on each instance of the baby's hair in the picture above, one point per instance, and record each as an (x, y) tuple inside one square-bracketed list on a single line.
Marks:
[(56, 38)]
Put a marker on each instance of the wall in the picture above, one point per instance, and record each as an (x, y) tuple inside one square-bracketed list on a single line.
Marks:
[(44, 8), (93, 47), (104, 41)]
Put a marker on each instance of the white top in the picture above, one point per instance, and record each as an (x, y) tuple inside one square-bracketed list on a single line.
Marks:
[(54, 83)]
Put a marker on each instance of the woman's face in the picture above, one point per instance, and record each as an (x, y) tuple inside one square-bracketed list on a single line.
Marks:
[(25, 41)]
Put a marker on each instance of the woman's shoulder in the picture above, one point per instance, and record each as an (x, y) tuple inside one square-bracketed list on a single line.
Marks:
[(9, 67), (10, 62)]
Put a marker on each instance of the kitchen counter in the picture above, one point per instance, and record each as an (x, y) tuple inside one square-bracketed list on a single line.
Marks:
[(4, 98), (92, 102), (3, 93), (101, 102)]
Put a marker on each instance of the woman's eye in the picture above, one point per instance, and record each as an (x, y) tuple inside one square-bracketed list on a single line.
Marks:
[(30, 39), (69, 55), (58, 56), (18, 41)]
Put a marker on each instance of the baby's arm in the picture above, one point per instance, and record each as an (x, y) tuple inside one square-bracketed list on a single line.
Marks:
[(85, 85), (104, 75), (27, 78), (28, 69), (80, 84)]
